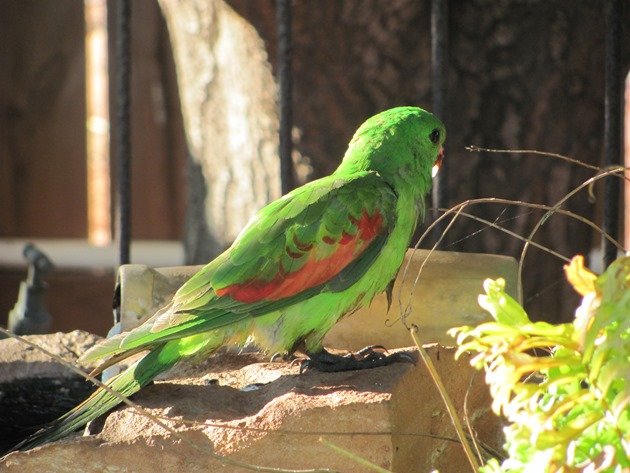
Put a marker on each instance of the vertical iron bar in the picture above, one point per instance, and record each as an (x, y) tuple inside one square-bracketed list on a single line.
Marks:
[(626, 152), (439, 45), (612, 124), (123, 141), (285, 79)]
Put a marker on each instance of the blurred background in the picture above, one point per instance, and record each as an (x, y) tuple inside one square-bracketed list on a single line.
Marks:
[(204, 126)]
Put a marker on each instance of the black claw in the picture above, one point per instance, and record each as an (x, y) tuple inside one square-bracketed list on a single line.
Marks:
[(285, 358), (369, 350), (278, 356), (405, 357), (305, 365), (368, 357)]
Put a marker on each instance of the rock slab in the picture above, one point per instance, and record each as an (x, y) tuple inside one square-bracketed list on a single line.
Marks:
[(35, 388), (255, 412)]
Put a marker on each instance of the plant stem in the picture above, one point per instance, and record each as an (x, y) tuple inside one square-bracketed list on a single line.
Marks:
[(353, 456), (450, 407)]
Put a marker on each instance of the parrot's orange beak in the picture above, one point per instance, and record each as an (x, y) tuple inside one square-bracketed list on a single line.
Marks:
[(438, 162)]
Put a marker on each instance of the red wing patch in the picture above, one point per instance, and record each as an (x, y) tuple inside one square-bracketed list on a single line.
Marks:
[(313, 272)]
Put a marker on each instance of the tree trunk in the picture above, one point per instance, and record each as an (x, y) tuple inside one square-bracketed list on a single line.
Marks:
[(520, 75), (227, 95)]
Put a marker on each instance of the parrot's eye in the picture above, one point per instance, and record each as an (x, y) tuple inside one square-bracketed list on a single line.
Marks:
[(435, 136)]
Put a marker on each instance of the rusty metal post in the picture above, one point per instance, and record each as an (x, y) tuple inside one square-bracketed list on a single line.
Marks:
[(285, 80), (439, 54), (123, 122), (612, 124), (627, 165)]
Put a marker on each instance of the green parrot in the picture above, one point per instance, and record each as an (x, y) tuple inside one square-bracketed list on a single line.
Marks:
[(301, 264)]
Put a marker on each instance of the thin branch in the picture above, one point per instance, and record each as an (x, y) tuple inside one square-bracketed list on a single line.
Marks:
[(473, 148), (469, 426), (457, 210), (318, 433), (515, 235), (353, 456), (405, 313), (586, 184), (567, 213), (450, 407)]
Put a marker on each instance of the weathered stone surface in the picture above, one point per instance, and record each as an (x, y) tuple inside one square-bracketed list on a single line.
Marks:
[(36, 389), (228, 103), (268, 414), (437, 289), (19, 361), (444, 296)]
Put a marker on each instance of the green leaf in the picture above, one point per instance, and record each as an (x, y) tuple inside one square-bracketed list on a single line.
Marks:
[(569, 400), (500, 305)]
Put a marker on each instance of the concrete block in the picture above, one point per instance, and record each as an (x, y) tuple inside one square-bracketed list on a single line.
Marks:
[(267, 414), (444, 296)]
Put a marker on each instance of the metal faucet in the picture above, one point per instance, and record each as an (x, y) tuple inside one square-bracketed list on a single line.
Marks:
[(30, 315)]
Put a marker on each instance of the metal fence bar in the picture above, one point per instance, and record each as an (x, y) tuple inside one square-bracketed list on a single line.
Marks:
[(612, 124), (439, 45), (123, 135), (285, 79), (626, 120)]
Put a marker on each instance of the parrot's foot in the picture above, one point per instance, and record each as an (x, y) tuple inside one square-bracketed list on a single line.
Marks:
[(282, 357), (368, 357)]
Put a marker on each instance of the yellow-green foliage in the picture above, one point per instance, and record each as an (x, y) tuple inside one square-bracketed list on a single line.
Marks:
[(565, 389)]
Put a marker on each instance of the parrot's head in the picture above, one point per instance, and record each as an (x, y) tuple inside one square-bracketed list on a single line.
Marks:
[(402, 144)]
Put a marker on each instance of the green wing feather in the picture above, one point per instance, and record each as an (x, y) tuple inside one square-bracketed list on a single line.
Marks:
[(279, 240)]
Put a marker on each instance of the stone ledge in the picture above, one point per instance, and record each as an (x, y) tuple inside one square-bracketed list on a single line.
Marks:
[(241, 394), (19, 361), (36, 389), (444, 296)]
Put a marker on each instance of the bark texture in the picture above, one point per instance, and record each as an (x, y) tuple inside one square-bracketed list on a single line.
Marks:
[(521, 74), (227, 96)]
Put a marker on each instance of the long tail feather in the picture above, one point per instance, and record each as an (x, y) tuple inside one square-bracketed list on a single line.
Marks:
[(126, 383)]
